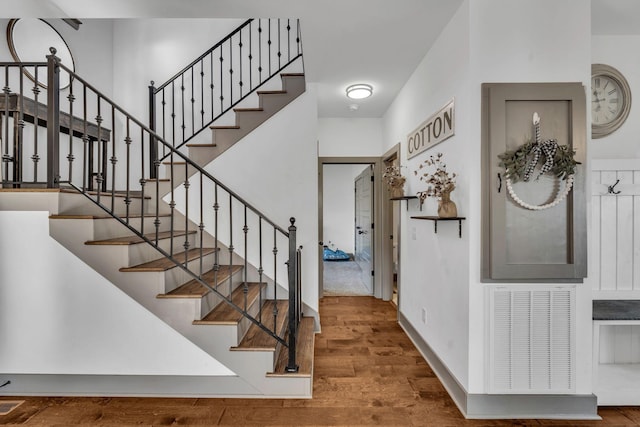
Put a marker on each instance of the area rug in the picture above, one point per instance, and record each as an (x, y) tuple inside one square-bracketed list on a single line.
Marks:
[(343, 278)]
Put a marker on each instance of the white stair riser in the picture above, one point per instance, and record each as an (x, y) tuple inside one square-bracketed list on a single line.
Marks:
[(111, 228), (142, 252), (77, 204)]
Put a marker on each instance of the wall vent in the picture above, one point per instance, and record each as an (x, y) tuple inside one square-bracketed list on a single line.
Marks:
[(532, 339)]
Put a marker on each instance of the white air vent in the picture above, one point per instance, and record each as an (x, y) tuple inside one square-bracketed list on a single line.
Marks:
[(532, 339)]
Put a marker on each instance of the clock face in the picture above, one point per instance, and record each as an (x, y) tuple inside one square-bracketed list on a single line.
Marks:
[(606, 100), (610, 100)]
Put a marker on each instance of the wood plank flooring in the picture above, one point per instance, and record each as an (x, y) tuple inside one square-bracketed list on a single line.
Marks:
[(366, 372)]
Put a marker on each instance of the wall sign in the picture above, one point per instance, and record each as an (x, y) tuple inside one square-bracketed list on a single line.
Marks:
[(432, 131)]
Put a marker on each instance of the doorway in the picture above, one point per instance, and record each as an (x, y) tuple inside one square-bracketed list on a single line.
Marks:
[(368, 258)]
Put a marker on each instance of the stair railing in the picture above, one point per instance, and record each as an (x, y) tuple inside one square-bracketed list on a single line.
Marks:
[(115, 177), (221, 78)]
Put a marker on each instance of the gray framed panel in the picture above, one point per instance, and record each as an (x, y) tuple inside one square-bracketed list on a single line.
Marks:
[(522, 245)]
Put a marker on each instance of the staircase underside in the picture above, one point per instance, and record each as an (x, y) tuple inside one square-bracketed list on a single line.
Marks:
[(219, 330)]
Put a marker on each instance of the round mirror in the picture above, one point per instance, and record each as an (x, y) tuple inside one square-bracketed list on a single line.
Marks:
[(29, 41)]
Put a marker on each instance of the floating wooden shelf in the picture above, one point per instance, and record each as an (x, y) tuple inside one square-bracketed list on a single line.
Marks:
[(435, 220), (407, 198)]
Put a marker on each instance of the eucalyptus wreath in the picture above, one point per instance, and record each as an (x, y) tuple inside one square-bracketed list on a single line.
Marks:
[(520, 164), (515, 162)]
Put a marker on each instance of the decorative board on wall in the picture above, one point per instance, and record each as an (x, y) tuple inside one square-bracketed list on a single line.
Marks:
[(522, 244), (615, 226)]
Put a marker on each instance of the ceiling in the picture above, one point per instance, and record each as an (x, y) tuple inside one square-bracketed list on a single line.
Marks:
[(379, 42)]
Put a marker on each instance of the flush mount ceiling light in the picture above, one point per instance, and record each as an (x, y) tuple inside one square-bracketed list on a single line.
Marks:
[(359, 91)]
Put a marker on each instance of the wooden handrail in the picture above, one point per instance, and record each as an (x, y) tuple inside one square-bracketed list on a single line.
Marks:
[(14, 103)]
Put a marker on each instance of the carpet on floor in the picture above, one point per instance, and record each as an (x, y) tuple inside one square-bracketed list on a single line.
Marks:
[(343, 278)]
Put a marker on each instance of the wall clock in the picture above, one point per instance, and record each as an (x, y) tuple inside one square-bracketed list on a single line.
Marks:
[(610, 100)]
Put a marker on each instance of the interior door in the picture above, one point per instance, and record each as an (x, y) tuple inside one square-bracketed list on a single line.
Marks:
[(364, 225)]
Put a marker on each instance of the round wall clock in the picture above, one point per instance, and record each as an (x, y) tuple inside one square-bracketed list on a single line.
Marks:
[(610, 100)]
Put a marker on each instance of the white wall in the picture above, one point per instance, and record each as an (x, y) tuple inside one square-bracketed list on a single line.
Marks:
[(279, 176), (340, 137), (434, 267), (54, 323), (156, 49), (93, 39), (488, 41), (615, 51), (338, 206), (522, 41)]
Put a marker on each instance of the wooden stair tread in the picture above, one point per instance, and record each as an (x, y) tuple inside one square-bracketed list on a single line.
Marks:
[(271, 92), (304, 352), (258, 340), (203, 145), (118, 193), (158, 180), (164, 264), (292, 74), (132, 216), (256, 109), (134, 239), (195, 289), (224, 314), (224, 127)]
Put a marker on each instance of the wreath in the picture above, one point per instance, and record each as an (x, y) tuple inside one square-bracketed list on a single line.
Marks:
[(520, 165)]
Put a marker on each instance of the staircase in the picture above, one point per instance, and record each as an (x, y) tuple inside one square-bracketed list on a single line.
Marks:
[(175, 239)]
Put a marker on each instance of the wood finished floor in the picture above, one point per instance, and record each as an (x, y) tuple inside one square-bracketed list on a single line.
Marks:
[(367, 372)]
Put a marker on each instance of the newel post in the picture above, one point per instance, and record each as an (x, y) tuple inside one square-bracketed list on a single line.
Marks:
[(53, 120), (153, 143), (292, 266)]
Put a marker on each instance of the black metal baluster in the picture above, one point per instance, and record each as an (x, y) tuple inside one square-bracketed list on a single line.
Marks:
[(269, 47), (250, 58), (172, 203), (201, 226), (211, 86), (36, 157), (127, 198), (18, 126), (143, 182), (230, 243), (298, 38), (245, 230), (153, 144), (186, 215), (182, 89), (164, 122), (201, 95), (193, 103), (114, 159), (288, 40), (70, 156), (221, 85), (279, 47), (260, 268), (240, 65), (216, 263), (231, 71), (6, 158), (86, 181), (156, 221), (275, 263), (99, 143), (259, 51), (173, 114)]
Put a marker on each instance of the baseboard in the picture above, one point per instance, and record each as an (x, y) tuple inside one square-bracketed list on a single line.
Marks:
[(503, 406), (130, 385)]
